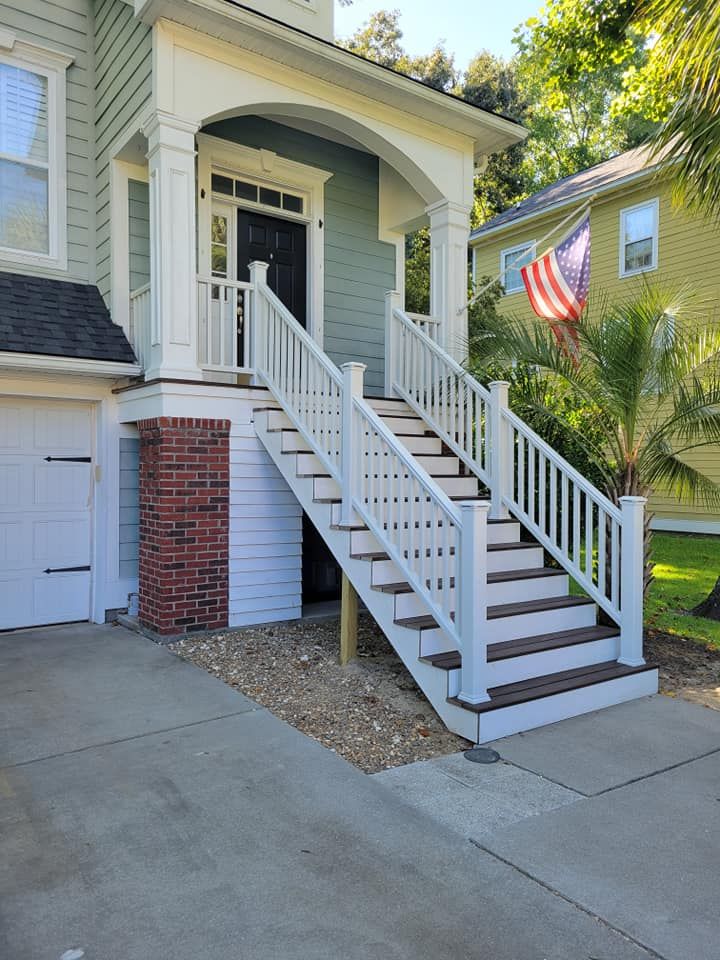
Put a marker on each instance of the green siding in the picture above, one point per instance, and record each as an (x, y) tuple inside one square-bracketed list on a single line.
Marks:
[(359, 268), (129, 506), (123, 85), (139, 231), (67, 27)]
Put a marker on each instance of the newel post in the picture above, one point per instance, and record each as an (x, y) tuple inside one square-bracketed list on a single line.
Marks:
[(632, 580), (393, 301), (353, 384), (256, 327), (471, 591), (500, 452)]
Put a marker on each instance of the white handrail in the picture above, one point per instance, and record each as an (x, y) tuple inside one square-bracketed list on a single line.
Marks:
[(573, 520), (411, 517), (140, 307), (223, 317), (448, 398)]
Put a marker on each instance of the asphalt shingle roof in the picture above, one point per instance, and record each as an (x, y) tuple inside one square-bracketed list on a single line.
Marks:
[(601, 175), (58, 318)]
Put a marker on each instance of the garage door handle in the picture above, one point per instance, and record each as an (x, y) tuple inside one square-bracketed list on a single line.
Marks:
[(69, 459), (66, 569)]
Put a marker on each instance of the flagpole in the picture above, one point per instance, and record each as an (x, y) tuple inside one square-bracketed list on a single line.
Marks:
[(574, 214)]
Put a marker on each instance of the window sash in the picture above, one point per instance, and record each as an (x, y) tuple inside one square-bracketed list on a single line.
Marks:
[(639, 238), (512, 280)]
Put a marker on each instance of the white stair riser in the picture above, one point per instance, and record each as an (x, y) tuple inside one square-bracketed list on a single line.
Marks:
[(381, 406), (435, 641), (364, 542), (308, 464), (402, 425), (561, 706), (501, 629), (528, 558), (515, 669), (419, 445), (291, 442), (536, 588), (327, 488), (503, 532)]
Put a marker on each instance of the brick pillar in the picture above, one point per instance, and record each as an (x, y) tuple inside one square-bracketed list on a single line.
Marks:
[(184, 518)]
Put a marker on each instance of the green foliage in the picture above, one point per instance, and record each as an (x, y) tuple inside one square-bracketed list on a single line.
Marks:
[(417, 271), (650, 371)]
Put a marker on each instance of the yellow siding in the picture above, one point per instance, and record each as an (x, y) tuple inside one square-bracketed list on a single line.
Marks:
[(688, 250)]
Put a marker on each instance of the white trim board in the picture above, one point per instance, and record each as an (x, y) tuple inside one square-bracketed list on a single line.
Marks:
[(668, 525), (265, 165), (39, 363)]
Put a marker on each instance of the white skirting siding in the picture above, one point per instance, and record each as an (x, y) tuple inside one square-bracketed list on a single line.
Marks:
[(265, 533)]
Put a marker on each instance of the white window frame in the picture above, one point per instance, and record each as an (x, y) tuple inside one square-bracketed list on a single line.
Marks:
[(655, 204), (53, 65), (515, 251), (266, 168)]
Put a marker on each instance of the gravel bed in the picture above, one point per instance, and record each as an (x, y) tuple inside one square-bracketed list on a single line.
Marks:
[(687, 669), (370, 711)]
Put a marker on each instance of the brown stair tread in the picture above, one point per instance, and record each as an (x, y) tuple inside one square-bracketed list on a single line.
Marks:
[(512, 545), (509, 649), (427, 622), (506, 576), (538, 687)]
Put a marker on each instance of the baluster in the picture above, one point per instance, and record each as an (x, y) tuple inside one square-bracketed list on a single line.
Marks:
[(601, 579), (614, 559), (521, 494), (542, 490), (553, 503), (576, 526), (531, 481), (564, 519), (589, 537)]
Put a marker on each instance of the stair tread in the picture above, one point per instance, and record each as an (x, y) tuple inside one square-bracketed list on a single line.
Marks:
[(513, 545), (537, 688), (532, 573), (428, 622), (509, 649)]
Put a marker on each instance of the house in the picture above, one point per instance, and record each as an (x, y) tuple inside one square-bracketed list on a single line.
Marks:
[(637, 235), (211, 393)]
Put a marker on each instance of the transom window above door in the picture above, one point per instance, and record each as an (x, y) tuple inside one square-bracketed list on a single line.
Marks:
[(249, 192)]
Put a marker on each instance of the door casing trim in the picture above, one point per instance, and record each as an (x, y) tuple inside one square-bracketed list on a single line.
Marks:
[(272, 170)]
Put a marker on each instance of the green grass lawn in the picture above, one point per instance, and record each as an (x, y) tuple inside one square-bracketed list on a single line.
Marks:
[(686, 568)]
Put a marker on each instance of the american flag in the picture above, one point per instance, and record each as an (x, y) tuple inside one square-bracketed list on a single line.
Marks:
[(558, 282)]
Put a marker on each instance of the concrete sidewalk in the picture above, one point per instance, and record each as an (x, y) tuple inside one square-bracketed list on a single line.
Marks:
[(147, 811), (616, 811)]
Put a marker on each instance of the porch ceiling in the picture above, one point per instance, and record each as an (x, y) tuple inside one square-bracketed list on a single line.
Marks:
[(236, 24)]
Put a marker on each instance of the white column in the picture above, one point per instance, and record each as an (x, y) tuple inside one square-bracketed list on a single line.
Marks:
[(500, 452), (173, 267), (632, 573), (471, 591), (449, 234), (353, 385), (393, 301), (255, 328)]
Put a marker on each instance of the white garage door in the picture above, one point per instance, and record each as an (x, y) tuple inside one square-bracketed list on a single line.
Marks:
[(45, 512)]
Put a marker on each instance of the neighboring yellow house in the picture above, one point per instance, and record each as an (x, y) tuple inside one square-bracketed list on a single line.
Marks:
[(637, 235)]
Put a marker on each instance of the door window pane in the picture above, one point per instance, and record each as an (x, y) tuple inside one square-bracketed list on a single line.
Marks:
[(246, 191), (220, 184), (270, 197), (219, 246)]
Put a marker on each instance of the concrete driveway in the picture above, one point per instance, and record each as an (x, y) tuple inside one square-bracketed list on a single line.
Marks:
[(147, 811)]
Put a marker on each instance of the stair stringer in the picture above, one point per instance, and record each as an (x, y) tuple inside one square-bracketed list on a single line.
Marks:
[(405, 642)]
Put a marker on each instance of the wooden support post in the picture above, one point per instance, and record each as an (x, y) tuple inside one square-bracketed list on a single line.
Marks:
[(348, 621)]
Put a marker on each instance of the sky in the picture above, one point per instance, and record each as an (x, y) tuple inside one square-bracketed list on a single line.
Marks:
[(466, 26)]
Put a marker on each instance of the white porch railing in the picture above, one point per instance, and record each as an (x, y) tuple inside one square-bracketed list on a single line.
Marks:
[(140, 317), (380, 482), (223, 325), (599, 545)]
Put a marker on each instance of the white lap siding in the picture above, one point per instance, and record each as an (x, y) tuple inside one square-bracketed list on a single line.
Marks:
[(265, 534)]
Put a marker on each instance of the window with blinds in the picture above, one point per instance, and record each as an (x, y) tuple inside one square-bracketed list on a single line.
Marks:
[(24, 160)]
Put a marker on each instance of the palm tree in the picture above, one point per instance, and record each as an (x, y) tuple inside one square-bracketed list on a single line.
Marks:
[(688, 49), (649, 371)]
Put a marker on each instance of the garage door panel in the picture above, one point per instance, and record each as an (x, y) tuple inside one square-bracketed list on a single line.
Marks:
[(60, 597), (16, 601), (61, 542), (11, 428), (61, 431), (64, 486), (11, 484), (11, 545)]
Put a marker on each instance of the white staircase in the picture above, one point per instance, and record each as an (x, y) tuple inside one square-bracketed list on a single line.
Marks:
[(445, 541)]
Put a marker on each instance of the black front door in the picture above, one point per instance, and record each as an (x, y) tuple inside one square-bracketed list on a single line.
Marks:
[(283, 246)]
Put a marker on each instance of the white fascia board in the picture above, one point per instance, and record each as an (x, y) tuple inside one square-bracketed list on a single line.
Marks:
[(245, 28), (575, 200), (37, 363)]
